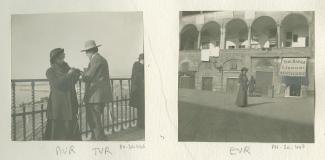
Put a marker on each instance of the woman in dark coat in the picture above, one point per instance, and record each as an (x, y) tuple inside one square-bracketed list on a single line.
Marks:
[(62, 108), (242, 92), (137, 90)]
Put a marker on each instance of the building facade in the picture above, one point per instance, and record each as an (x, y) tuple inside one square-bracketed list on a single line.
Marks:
[(260, 41)]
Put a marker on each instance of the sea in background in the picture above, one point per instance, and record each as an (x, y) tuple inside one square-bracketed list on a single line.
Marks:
[(23, 91)]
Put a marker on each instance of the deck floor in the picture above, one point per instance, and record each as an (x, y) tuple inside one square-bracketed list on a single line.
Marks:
[(130, 134)]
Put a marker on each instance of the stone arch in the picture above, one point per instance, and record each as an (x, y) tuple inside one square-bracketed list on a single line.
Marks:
[(294, 30), (236, 32), (188, 37), (264, 31), (210, 33), (184, 65)]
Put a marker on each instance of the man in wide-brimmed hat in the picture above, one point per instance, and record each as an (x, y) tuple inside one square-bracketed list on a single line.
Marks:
[(97, 90)]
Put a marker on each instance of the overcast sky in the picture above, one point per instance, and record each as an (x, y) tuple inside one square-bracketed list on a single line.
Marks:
[(33, 36)]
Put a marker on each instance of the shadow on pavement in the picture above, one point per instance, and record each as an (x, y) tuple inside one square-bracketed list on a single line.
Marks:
[(257, 104)]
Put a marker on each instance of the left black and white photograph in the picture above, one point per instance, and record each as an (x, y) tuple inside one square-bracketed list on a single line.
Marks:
[(77, 77)]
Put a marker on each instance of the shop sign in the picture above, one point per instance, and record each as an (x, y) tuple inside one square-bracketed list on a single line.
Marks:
[(293, 67)]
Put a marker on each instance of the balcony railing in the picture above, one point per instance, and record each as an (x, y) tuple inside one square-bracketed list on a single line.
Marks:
[(254, 52), (29, 106)]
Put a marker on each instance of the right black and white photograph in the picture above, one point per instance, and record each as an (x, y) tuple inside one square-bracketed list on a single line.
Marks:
[(246, 76)]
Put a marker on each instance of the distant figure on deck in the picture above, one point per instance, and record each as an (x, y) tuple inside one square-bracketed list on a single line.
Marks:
[(137, 90), (251, 86), (241, 100), (62, 108)]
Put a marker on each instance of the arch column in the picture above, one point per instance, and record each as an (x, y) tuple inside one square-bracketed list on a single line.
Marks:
[(249, 39), (310, 34), (199, 39), (222, 37), (278, 31)]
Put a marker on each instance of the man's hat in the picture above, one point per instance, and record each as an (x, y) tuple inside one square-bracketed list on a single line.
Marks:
[(90, 44)]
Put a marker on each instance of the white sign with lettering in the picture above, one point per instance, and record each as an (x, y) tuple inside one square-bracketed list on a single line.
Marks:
[(293, 67)]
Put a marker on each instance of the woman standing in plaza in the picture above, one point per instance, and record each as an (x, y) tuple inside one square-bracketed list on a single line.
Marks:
[(241, 100), (62, 108)]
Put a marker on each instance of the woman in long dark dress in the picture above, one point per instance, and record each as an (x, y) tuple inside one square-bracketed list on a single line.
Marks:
[(137, 90), (62, 108), (241, 100)]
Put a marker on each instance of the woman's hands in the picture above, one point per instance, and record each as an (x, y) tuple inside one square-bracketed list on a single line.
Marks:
[(71, 70), (74, 71)]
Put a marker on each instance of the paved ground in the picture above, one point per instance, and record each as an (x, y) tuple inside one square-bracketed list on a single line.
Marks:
[(210, 116)]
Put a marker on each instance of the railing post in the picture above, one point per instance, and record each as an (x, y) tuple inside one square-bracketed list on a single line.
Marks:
[(24, 121), (13, 110), (135, 116), (102, 116), (80, 106), (121, 88), (117, 125), (42, 121), (33, 122), (125, 119), (112, 87), (80, 118), (79, 88), (130, 113), (86, 125), (115, 117), (117, 112), (129, 84), (107, 115), (122, 113), (33, 109)]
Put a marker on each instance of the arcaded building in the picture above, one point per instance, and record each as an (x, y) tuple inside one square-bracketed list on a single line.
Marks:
[(276, 47)]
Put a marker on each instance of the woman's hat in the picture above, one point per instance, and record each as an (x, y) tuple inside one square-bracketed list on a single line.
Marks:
[(55, 52), (90, 44), (244, 69), (141, 56)]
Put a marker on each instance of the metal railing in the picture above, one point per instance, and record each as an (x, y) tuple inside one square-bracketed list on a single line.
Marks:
[(28, 115)]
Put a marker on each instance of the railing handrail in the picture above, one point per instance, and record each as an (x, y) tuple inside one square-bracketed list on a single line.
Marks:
[(46, 80)]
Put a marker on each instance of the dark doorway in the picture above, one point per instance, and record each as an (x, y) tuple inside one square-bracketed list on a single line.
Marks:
[(187, 82), (264, 81), (294, 84), (232, 85), (295, 89), (207, 83)]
